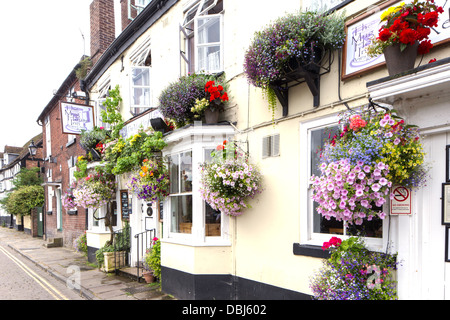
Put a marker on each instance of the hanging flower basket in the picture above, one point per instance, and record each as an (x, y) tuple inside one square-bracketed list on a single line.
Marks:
[(151, 182), (94, 191), (229, 181), (359, 166)]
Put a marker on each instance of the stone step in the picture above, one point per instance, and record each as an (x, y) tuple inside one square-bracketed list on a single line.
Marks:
[(54, 243)]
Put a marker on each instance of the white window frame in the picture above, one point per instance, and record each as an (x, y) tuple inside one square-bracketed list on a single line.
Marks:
[(137, 59), (196, 140), (199, 46), (307, 236), (194, 11), (144, 87)]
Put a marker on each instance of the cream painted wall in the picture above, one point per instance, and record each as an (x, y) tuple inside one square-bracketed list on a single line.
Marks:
[(262, 238)]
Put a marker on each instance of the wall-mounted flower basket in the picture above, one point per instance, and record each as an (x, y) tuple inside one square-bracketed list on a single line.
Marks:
[(292, 50), (298, 71)]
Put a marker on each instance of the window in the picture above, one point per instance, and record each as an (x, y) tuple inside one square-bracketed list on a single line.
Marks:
[(208, 43), (202, 32), (140, 77), (213, 218), (103, 89), (180, 170), (139, 6), (319, 229)]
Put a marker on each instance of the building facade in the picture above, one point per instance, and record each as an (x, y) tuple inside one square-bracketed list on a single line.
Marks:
[(274, 248), (60, 152)]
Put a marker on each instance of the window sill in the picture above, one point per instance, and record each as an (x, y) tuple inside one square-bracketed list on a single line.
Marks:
[(213, 242), (310, 251)]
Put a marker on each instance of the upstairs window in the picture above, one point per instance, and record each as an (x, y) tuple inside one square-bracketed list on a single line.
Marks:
[(202, 32), (140, 78), (136, 8)]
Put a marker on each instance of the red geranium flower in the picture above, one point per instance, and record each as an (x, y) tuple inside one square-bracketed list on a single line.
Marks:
[(430, 19), (424, 47), (408, 36), (384, 35)]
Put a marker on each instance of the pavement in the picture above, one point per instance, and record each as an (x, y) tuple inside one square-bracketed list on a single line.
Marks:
[(64, 263)]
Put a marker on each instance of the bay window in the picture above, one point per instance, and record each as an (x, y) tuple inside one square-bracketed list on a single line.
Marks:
[(190, 220)]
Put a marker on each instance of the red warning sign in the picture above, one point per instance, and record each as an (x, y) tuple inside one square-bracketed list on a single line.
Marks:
[(401, 204)]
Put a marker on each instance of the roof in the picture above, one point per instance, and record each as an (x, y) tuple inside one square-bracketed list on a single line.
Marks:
[(152, 12), (65, 85), (13, 150)]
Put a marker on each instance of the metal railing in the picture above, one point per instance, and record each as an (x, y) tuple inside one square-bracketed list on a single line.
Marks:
[(144, 241)]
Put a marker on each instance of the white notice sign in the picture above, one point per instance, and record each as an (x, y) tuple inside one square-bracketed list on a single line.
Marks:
[(401, 204)]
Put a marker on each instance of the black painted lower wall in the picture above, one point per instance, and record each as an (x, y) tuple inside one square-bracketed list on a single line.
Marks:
[(186, 286), (91, 254)]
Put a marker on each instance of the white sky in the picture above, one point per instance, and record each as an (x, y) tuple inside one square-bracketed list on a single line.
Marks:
[(41, 42)]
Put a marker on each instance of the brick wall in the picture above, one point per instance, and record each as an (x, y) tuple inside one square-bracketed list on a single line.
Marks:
[(62, 151), (102, 27), (124, 13)]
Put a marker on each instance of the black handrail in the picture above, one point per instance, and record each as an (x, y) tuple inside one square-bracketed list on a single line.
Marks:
[(148, 236)]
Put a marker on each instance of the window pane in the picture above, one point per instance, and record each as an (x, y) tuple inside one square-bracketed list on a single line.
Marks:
[(141, 77), (317, 142), (174, 171), (209, 58), (181, 217), (186, 171), (212, 217), (212, 222), (208, 30), (141, 96)]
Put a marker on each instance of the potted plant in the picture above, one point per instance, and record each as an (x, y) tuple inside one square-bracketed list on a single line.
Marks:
[(360, 164), (148, 272), (154, 258), (92, 141), (300, 39), (151, 182), (229, 181), (212, 104), (404, 34), (355, 273), (179, 99)]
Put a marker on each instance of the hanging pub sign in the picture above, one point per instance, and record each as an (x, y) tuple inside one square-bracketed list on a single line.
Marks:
[(76, 117), (362, 29), (401, 202)]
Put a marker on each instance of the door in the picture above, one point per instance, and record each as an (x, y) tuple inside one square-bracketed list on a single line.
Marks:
[(40, 222)]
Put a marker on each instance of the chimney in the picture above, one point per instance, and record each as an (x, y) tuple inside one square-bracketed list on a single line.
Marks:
[(128, 11), (102, 27)]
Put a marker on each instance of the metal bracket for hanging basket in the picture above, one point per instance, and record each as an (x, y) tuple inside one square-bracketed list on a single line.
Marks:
[(309, 73)]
